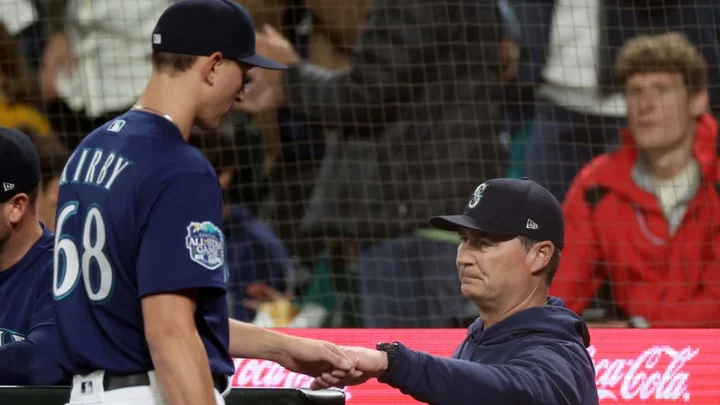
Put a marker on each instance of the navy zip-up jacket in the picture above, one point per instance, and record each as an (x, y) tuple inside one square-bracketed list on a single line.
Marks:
[(536, 356)]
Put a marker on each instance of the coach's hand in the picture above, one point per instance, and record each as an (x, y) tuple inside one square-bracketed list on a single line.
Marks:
[(263, 93), (314, 357), (369, 363), (272, 44), (265, 90), (57, 57)]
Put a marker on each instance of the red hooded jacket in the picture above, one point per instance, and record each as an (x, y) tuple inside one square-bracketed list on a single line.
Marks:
[(616, 231)]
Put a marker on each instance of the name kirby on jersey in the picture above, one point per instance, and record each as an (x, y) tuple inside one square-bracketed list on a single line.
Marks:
[(95, 167), (8, 336)]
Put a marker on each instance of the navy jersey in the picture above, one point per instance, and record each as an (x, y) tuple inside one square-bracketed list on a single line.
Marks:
[(27, 337), (139, 213)]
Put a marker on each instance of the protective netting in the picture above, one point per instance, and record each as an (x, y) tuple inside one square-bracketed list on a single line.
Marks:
[(396, 112)]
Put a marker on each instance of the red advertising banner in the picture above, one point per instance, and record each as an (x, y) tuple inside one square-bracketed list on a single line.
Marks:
[(634, 366)]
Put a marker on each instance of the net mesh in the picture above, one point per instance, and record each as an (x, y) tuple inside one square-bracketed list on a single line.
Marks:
[(396, 113)]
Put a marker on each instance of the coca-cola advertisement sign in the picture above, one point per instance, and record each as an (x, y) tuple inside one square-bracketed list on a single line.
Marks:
[(633, 366)]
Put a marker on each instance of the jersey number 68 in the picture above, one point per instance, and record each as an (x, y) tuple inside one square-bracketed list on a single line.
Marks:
[(71, 260)]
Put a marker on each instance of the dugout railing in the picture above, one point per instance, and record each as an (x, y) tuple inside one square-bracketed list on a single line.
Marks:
[(238, 396)]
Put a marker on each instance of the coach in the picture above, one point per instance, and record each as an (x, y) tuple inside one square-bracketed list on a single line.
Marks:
[(526, 347), (26, 266)]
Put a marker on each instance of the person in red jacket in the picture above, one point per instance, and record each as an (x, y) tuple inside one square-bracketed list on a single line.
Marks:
[(645, 219)]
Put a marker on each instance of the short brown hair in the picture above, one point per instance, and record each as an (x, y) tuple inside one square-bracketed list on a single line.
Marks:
[(173, 62), (552, 266), (670, 52), (52, 155)]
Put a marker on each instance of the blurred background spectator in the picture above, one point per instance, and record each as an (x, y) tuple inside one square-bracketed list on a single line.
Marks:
[(645, 218), (17, 109), (579, 108), (409, 120), (96, 60), (254, 253)]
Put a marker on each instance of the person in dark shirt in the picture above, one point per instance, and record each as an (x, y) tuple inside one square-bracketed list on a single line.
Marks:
[(27, 322), (254, 252)]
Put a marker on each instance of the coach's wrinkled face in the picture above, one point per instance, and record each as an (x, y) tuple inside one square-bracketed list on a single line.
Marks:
[(492, 268), (225, 83)]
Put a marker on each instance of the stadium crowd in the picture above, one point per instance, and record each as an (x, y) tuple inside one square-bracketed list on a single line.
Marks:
[(390, 112)]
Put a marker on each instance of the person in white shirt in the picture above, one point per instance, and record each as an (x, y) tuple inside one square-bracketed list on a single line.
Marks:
[(574, 120), (96, 62), (579, 107)]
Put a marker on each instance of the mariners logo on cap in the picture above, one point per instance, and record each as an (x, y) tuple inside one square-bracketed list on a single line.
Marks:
[(477, 196), (206, 244)]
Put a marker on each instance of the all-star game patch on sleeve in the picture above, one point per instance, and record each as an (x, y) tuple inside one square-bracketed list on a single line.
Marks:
[(183, 245)]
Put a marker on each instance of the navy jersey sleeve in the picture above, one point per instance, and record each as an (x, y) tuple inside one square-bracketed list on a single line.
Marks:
[(538, 376), (32, 361), (182, 245)]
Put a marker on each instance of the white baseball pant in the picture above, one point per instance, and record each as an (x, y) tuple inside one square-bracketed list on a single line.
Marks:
[(88, 390)]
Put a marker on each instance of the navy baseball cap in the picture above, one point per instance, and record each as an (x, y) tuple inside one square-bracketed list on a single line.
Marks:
[(202, 27), (510, 207), (19, 164)]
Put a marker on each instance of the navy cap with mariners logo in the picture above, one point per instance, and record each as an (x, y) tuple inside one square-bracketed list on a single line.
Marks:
[(203, 27), (19, 164), (510, 207)]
